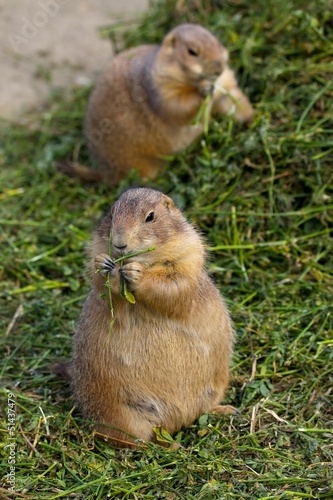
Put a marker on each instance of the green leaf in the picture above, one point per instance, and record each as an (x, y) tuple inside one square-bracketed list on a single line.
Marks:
[(125, 293), (162, 435)]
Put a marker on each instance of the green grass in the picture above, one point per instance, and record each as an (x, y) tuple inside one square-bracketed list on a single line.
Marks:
[(263, 197)]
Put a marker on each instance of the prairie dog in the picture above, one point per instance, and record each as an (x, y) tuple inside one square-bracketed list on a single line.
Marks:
[(165, 359), (144, 104)]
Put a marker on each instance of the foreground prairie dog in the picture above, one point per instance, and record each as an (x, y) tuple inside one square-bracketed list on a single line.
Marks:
[(165, 359), (144, 104)]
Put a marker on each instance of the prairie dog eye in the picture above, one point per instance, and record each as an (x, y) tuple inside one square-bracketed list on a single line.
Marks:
[(192, 52), (150, 217)]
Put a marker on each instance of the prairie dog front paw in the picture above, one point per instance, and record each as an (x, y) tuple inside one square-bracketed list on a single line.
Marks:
[(132, 273), (104, 264)]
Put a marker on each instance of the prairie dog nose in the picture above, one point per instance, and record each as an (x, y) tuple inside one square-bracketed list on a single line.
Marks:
[(120, 247)]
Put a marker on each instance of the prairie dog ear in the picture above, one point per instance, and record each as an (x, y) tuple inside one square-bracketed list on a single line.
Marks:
[(170, 40), (168, 203)]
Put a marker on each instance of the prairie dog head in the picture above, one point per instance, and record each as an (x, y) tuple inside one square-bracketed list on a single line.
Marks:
[(191, 55), (143, 218)]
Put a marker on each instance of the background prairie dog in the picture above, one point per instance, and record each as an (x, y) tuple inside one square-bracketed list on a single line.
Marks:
[(165, 360), (144, 104)]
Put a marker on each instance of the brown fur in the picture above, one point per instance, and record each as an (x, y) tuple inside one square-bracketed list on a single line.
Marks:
[(165, 360), (143, 106)]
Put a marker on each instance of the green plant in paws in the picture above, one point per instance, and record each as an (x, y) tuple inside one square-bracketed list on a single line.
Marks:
[(204, 113), (125, 293)]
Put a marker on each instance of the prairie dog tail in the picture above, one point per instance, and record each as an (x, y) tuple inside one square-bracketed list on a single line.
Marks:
[(63, 370), (73, 169)]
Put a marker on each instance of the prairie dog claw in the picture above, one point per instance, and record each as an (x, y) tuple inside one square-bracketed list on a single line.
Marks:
[(225, 410), (104, 264), (132, 272)]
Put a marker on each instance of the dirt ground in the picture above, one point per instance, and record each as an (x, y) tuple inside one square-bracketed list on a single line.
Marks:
[(48, 44)]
